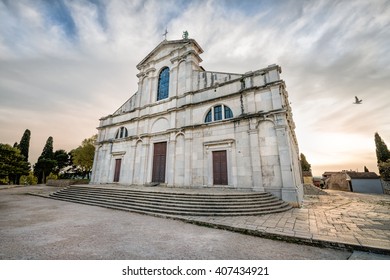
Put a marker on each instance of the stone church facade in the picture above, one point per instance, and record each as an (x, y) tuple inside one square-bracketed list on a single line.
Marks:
[(188, 127)]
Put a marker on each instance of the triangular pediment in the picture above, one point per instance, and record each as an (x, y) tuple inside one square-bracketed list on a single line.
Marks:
[(169, 46)]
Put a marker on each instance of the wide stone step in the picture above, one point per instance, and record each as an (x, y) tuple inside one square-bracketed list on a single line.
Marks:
[(175, 208), (174, 203), (147, 210), (168, 194), (173, 199)]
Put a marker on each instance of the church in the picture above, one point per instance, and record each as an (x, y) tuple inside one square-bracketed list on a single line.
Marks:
[(188, 127)]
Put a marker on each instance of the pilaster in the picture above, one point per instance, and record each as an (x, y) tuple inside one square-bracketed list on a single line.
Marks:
[(290, 192), (257, 178)]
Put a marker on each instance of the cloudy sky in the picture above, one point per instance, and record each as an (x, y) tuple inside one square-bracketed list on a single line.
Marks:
[(64, 64)]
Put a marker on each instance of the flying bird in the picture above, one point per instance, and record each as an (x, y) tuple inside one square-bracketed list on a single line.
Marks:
[(357, 100)]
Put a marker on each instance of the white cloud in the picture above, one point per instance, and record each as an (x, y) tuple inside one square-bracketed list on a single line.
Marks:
[(59, 78)]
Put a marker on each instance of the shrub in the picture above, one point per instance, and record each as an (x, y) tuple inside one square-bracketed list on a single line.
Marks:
[(30, 179), (4, 181), (52, 177)]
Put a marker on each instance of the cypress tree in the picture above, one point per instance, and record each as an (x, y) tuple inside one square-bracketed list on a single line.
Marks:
[(46, 162), (24, 145), (305, 165), (48, 149), (382, 152)]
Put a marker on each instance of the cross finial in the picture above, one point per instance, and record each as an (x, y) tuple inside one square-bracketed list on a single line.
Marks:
[(165, 34)]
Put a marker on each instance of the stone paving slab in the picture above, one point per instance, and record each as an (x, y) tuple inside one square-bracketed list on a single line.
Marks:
[(340, 219), (345, 220)]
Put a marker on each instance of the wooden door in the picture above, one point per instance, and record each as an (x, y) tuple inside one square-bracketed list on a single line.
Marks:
[(118, 163), (220, 168), (159, 162)]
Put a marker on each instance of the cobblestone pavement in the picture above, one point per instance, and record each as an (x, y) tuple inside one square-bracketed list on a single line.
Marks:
[(340, 219)]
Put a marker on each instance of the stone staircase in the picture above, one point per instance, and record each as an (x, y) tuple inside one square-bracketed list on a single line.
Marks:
[(175, 203)]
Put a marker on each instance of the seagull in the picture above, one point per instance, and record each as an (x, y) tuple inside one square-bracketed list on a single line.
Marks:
[(357, 101)]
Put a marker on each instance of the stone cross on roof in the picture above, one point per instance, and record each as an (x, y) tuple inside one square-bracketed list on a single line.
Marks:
[(165, 34)]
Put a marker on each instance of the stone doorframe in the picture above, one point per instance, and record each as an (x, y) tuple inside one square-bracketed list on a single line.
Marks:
[(220, 145)]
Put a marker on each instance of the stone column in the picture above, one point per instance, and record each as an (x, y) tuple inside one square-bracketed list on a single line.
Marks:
[(145, 172), (188, 158), (170, 162), (257, 177), (95, 166), (289, 189), (131, 164)]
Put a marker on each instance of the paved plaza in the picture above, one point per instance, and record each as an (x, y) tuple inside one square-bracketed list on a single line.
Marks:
[(352, 221), (340, 219)]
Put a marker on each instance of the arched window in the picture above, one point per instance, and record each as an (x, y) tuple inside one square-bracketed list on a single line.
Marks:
[(217, 113), (121, 133), (209, 117), (163, 84)]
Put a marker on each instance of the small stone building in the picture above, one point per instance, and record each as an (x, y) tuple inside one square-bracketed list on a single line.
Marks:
[(365, 182), (188, 127), (336, 181), (352, 181)]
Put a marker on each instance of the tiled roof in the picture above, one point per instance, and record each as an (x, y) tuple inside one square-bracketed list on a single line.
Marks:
[(363, 175)]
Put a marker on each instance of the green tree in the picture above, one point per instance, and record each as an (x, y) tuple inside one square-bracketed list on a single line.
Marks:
[(24, 145), (304, 164), (83, 155), (12, 164), (63, 160), (46, 162), (383, 157), (382, 152), (384, 170)]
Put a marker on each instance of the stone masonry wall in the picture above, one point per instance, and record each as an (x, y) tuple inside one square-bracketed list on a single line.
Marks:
[(62, 183)]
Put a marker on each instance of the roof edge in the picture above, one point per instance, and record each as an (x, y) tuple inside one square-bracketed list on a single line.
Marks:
[(166, 42)]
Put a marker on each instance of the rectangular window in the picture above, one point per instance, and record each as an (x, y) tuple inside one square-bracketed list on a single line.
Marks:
[(218, 113)]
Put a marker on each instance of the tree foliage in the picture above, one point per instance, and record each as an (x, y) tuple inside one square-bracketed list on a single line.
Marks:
[(46, 162), (24, 144), (384, 170), (382, 152), (304, 163), (12, 164), (83, 155), (48, 149), (62, 159), (383, 157), (29, 179)]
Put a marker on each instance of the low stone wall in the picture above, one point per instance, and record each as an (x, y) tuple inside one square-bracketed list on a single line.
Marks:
[(312, 190), (62, 183)]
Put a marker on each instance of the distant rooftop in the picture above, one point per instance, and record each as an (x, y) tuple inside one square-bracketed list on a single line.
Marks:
[(362, 175), (353, 174)]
